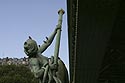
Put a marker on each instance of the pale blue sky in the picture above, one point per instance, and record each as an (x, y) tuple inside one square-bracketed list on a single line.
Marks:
[(36, 18)]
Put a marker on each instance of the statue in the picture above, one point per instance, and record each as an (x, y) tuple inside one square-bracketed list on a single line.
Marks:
[(47, 70)]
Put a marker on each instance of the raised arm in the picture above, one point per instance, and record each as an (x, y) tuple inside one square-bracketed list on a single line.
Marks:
[(48, 41)]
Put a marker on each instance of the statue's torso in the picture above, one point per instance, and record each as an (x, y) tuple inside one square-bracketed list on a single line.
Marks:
[(37, 63), (38, 60)]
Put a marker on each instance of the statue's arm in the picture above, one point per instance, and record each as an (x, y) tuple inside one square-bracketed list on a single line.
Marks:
[(48, 41)]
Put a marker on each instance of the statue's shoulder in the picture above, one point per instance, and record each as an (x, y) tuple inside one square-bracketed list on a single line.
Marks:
[(42, 59)]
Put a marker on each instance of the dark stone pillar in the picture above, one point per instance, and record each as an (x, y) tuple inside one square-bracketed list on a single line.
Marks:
[(95, 22)]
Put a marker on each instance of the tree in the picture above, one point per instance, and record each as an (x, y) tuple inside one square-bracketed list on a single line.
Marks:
[(16, 74)]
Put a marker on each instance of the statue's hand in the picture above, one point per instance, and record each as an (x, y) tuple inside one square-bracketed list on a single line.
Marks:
[(53, 66)]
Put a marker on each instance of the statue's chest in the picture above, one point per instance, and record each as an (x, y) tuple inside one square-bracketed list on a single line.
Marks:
[(35, 61)]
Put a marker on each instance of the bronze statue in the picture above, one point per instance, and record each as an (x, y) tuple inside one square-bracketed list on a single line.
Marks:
[(47, 70)]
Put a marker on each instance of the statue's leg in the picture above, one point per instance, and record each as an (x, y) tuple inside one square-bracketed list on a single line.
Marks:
[(40, 81), (50, 77), (57, 80)]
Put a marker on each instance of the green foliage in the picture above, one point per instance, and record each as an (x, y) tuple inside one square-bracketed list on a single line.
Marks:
[(16, 74)]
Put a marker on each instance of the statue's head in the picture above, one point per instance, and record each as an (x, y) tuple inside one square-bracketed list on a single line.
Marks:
[(30, 47)]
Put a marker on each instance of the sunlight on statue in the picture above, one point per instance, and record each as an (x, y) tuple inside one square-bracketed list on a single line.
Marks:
[(47, 70)]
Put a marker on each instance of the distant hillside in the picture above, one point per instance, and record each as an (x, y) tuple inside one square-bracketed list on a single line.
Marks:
[(16, 74), (14, 61)]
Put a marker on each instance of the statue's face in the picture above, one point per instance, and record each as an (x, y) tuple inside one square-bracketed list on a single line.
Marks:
[(30, 47)]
